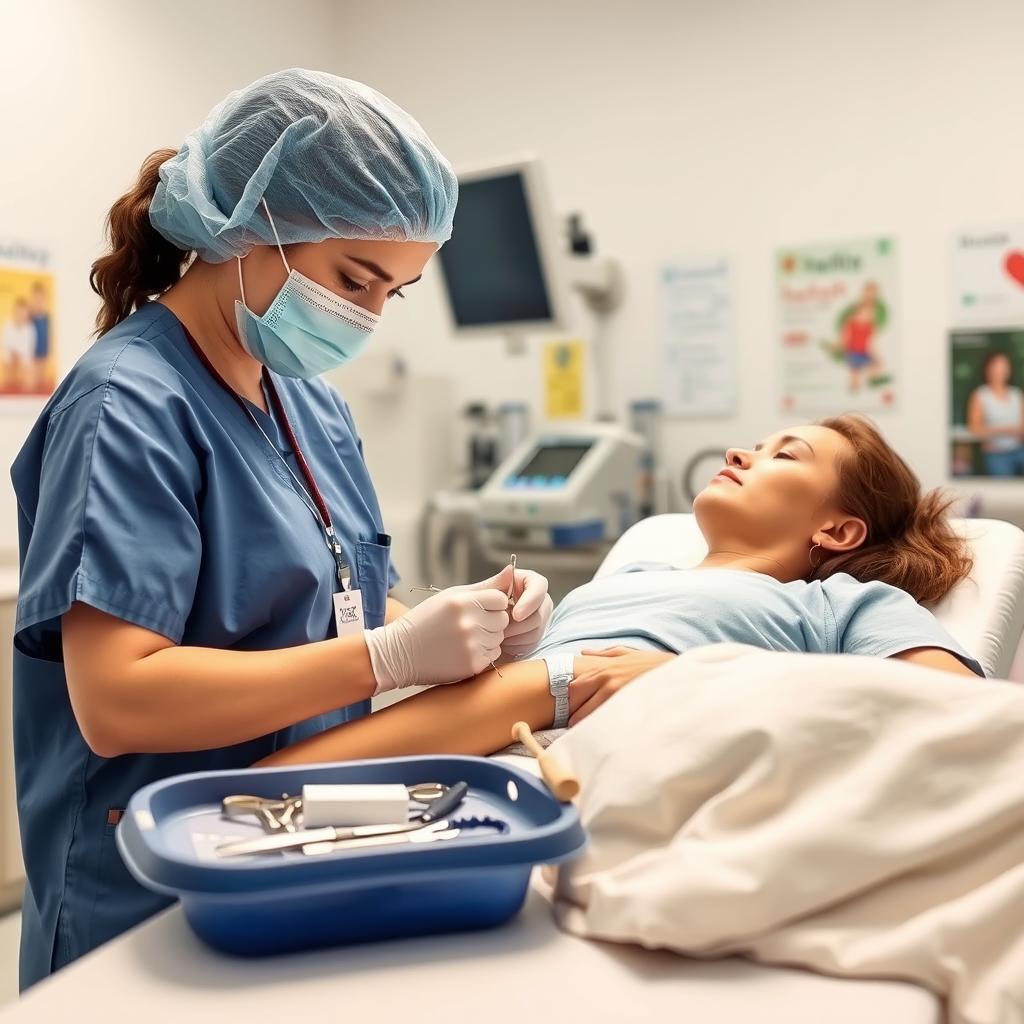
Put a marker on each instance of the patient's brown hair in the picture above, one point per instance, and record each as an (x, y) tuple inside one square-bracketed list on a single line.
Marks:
[(910, 543)]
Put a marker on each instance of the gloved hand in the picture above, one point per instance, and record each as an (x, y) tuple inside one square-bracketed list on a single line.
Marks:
[(449, 637), (530, 613)]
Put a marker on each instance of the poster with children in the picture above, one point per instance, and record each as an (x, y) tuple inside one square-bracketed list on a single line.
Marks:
[(28, 356), (838, 327)]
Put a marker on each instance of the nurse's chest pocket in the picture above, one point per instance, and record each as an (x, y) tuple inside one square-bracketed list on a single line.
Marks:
[(372, 564)]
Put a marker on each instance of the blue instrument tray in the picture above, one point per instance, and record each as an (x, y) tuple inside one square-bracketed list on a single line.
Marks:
[(277, 903)]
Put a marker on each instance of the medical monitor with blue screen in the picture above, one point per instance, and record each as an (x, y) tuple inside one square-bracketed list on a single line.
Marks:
[(550, 465), (492, 263)]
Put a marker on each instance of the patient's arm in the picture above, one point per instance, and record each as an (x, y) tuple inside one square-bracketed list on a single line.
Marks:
[(395, 609), (474, 717), (935, 657)]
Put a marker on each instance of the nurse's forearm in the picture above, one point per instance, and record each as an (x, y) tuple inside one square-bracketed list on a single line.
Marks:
[(474, 717), (133, 691), (243, 694)]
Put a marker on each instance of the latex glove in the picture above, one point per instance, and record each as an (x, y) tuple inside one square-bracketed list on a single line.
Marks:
[(529, 615), (445, 639), (600, 674)]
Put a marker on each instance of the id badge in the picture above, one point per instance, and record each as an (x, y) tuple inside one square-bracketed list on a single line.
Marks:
[(348, 612)]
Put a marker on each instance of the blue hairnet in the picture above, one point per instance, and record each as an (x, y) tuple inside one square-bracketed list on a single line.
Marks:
[(333, 158)]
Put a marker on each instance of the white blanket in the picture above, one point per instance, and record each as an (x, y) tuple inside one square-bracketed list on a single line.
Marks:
[(855, 816)]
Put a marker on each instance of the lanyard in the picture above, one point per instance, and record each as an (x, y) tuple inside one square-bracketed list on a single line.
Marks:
[(309, 493)]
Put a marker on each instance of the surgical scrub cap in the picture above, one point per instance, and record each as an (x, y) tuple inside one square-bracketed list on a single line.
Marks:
[(333, 158)]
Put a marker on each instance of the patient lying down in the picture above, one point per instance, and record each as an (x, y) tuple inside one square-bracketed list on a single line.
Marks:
[(819, 540)]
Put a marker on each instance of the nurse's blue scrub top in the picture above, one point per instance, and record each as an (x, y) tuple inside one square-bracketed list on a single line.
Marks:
[(146, 491)]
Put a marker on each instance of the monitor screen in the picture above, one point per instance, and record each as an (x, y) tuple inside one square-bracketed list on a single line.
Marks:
[(551, 464), (491, 263)]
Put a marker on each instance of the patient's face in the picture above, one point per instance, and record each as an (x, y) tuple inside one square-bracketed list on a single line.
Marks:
[(775, 494)]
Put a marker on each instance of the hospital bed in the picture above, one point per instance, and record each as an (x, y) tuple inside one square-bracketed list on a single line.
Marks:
[(528, 970), (985, 613)]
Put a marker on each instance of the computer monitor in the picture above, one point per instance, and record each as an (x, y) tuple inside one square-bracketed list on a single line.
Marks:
[(503, 267)]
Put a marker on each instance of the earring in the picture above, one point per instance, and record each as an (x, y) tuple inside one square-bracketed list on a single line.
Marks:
[(810, 557)]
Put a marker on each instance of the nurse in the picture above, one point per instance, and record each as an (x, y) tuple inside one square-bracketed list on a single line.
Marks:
[(204, 567)]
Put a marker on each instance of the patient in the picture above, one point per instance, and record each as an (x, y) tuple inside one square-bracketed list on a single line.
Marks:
[(819, 540)]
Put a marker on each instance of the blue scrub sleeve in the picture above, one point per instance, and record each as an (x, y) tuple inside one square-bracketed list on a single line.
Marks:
[(117, 521), (879, 620)]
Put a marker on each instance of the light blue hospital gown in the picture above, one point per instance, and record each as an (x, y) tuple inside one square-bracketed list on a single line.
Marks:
[(654, 606), (145, 491)]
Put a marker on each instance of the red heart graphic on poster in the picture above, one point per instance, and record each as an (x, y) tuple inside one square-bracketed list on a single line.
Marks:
[(1014, 265)]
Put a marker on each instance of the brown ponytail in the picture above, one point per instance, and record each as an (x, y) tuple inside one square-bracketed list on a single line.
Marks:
[(910, 543), (141, 262)]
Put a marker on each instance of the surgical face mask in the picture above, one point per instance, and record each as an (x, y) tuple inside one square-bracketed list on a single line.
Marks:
[(307, 329)]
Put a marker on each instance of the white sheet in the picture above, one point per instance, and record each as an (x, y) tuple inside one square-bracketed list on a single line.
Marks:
[(859, 817)]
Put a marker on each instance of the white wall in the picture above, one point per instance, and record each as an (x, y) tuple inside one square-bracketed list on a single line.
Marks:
[(683, 126), (87, 90), (675, 126)]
